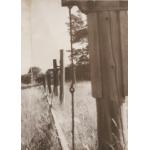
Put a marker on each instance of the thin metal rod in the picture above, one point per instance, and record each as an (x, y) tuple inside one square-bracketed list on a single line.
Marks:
[(73, 80), (71, 44), (73, 125)]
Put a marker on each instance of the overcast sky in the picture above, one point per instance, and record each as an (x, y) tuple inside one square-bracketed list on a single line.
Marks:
[(44, 33)]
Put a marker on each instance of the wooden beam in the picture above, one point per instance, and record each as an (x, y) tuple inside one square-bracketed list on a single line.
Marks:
[(124, 48), (108, 58), (61, 136), (95, 58), (88, 6)]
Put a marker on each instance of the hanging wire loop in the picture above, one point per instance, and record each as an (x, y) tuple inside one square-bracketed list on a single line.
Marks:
[(72, 89)]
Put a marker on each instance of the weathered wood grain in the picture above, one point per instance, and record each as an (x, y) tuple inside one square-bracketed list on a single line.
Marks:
[(61, 94), (117, 55), (95, 60), (107, 57), (107, 72), (124, 48)]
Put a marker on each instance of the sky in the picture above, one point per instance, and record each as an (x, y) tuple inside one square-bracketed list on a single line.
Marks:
[(44, 33)]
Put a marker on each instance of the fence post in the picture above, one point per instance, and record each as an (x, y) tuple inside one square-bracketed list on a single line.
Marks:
[(55, 77), (48, 76), (61, 76)]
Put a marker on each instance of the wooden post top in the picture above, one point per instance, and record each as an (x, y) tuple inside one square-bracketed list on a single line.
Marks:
[(87, 6)]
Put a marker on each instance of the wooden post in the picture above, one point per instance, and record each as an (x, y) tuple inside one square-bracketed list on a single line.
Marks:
[(48, 76), (61, 95), (109, 85), (108, 47), (55, 77), (44, 82)]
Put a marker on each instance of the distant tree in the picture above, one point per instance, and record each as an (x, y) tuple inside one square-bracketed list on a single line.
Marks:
[(80, 41), (37, 75), (26, 78), (34, 70)]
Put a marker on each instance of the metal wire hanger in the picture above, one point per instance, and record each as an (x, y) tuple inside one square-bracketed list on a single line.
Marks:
[(72, 89)]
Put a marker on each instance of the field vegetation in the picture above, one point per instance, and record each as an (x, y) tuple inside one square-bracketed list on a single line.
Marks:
[(38, 129), (37, 124), (85, 116)]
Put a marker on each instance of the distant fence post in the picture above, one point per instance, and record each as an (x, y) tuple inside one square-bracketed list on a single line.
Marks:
[(61, 76), (44, 83), (48, 76), (55, 77)]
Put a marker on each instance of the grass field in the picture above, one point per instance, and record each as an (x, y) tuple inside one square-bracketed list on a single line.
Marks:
[(85, 116), (38, 129), (36, 119), (37, 125)]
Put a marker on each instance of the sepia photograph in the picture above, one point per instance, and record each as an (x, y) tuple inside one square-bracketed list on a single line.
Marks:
[(74, 75)]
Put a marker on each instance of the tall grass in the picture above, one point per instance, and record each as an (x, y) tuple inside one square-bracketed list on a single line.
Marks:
[(85, 116), (37, 125)]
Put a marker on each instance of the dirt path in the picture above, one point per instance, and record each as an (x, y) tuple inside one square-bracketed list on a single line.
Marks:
[(37, 124)]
